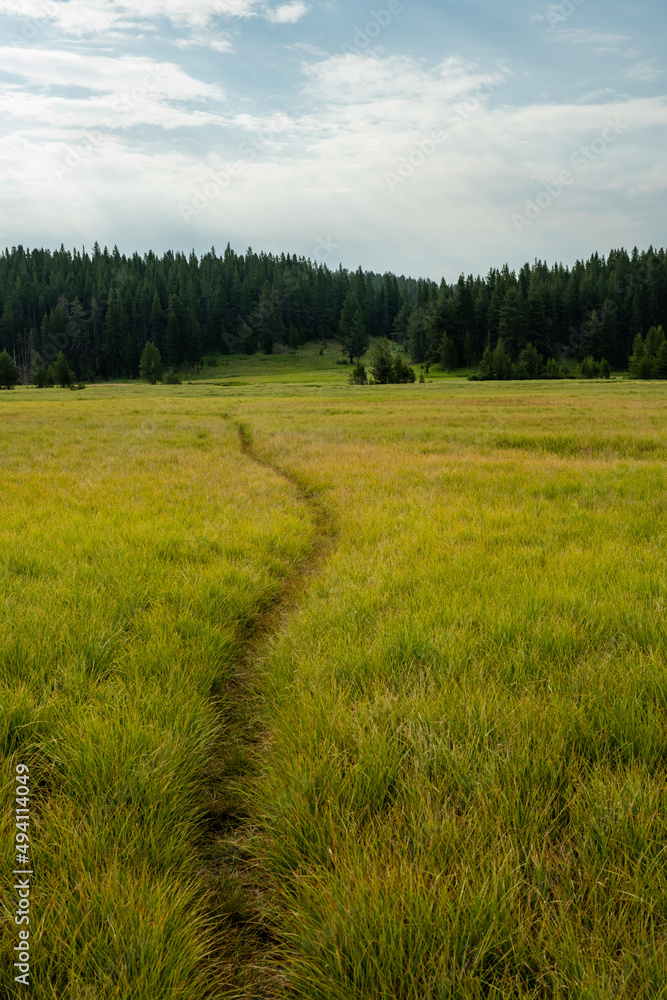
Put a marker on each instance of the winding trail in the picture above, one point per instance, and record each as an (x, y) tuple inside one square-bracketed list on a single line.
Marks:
[(240, 962)]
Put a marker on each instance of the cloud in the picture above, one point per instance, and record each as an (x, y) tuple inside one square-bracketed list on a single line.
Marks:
[(587, 36), (205, 40), (644, 71), (89, 17), (288, 13), (324, 171), (100, 92), (54, 67)]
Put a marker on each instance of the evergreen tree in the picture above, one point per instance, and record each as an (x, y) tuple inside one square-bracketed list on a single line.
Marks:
[(382, 362), (589, 368), (150, 366), (174, 338), (61, 371), (157, 320), (660, 362), (270, 326), (486, 364), (352, 329), (529, 363), (417, 336), (449, 358), (38, 375), (358, 375), (402, 372), (400, 327), (8, 371), (501, 363), (511, 324), (636, 361)]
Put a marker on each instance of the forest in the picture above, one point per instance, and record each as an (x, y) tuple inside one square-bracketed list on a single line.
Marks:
[(100, 308)]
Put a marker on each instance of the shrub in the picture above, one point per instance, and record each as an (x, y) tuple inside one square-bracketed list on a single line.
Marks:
[(358, 375)]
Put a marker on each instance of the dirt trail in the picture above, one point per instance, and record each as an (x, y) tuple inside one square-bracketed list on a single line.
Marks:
[(243, 961)]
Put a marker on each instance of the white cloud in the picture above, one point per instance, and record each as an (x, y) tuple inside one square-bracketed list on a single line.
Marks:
[(644, 71), (205, 40), (53, 67), (323, 172), (102, 93), (587, 36), (594, 95), (89, 17), (288, 13)]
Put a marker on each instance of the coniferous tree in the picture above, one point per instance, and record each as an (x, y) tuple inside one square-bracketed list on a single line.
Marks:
[(529, 364), (150, 366), (352, 329), (9, 373), (382, 362), (38, 374), (448, 354), (61, 371), (501, 363)]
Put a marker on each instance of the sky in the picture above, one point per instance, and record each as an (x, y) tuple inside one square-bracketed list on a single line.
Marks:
[(420, 137)]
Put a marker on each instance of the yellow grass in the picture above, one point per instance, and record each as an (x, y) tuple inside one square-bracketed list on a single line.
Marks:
[(462, 789)]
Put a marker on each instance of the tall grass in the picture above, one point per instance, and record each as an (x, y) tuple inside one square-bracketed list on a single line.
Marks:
[(137, 549), (464, 794), (460, 788)]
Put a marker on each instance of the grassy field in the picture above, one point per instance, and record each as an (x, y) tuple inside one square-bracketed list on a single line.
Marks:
[(460, 789), (137, 548)]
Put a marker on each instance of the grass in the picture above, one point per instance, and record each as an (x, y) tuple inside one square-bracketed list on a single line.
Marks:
[(137, 548), (461, 789)]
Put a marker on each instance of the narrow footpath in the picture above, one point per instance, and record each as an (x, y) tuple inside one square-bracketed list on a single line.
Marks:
[(243, 961)]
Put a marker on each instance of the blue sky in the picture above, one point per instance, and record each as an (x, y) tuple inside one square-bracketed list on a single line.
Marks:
[(419, 137)]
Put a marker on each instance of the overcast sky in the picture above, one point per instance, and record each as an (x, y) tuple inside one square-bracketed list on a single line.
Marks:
[(421, 137)]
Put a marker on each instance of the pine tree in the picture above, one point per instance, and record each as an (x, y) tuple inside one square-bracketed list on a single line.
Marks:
[(358, 375), (38, 375), (352, 329), (501, 363), (150, 365), (157, 320), (382, 362), (636, 361), (660, 362), (8, 371), (511, 323), (529, 363), (62, 373), (449, 358), (174, 338)]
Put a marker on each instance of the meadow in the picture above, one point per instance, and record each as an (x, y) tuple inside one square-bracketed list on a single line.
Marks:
[(339, 692)]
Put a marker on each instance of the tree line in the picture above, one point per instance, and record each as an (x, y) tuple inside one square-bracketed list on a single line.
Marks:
[(99, 309), (594, 309)]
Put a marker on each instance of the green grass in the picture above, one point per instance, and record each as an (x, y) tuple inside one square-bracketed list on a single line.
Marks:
[(137, 548), (461, 789), (465, 790)]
